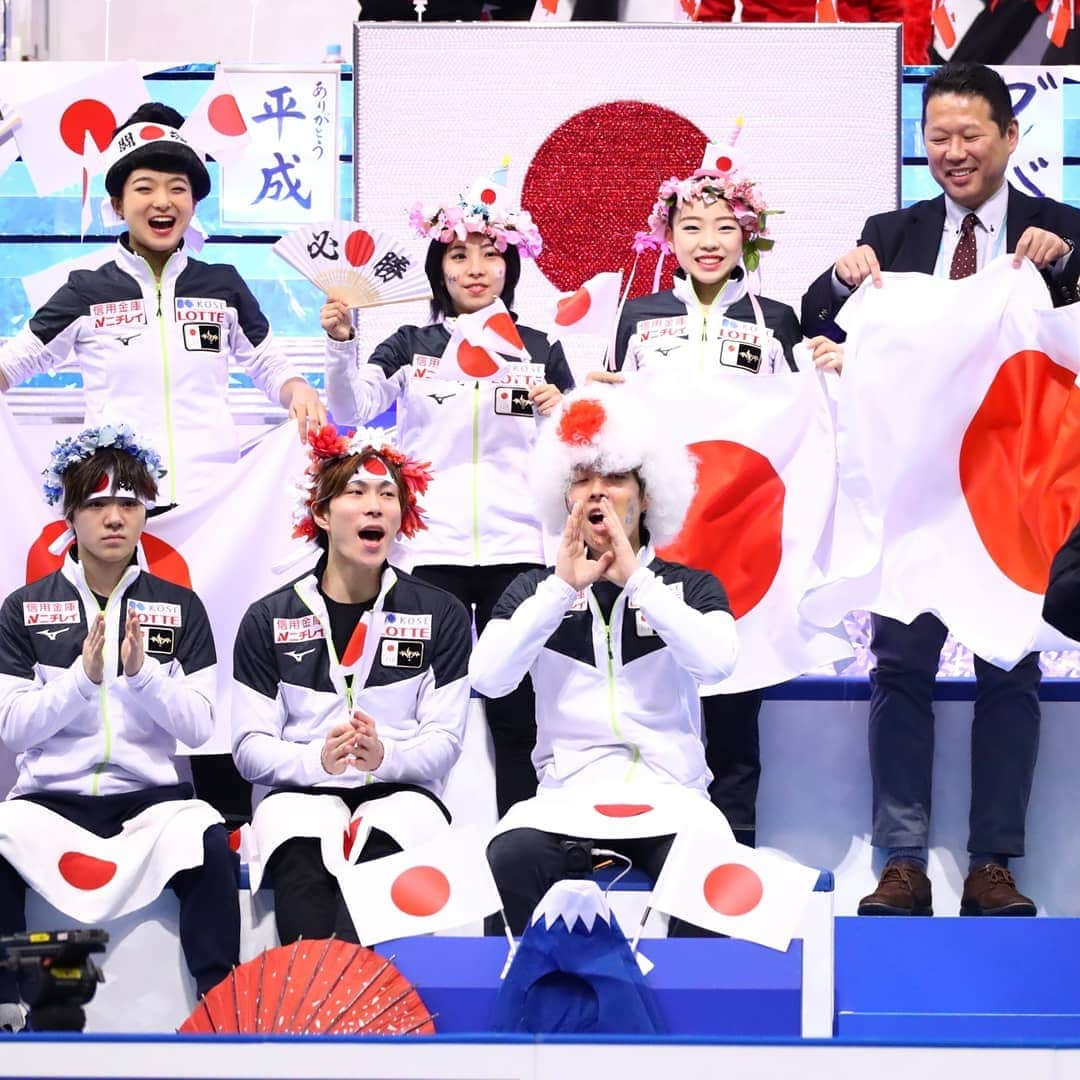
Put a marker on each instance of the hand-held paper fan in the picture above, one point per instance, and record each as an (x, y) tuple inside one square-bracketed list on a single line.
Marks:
[(362, 268), (313, 988)]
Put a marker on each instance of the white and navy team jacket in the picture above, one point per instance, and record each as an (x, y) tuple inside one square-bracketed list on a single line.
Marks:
[(673, 333), (155, 355), (290, 690), (477, 435), (619, 695), (69, 734)]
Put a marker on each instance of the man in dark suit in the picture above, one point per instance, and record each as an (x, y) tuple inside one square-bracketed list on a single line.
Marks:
[(970, 132)]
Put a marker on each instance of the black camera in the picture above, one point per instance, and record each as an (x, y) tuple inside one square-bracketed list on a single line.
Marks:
[(577, 858), (56, 974)]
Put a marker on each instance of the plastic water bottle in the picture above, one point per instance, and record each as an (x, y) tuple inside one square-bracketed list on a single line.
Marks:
[(333, 55)]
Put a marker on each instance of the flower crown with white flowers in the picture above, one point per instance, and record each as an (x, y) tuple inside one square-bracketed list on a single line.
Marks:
[(326, 446), (485, 208), (89, 441), (718, 178)]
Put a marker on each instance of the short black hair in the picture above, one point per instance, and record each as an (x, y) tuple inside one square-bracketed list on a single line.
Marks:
[(972, 80), (441, 304)]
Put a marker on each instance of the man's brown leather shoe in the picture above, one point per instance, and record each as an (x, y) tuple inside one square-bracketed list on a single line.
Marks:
[(903, 889), (991, 890)]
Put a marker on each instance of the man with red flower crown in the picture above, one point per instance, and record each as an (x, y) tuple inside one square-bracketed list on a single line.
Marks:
[(617, 642), (350, 691)]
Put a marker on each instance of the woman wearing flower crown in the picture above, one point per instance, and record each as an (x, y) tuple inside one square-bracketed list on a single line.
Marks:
[(154, 330), (483, 530), (715, 223)]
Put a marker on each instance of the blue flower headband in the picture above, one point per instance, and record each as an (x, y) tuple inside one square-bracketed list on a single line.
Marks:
[(87, 443)]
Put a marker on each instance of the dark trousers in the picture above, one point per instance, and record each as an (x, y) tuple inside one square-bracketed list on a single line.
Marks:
[(511, 719), (209, 904), (1004, 739), (307, 899), (527, 862), (732, 752)]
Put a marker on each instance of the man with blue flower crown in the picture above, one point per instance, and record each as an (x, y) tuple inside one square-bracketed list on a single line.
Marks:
[(103, 669)]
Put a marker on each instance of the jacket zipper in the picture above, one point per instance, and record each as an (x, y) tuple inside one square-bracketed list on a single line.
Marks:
[(103, 702), (167, 380), (476, 473)]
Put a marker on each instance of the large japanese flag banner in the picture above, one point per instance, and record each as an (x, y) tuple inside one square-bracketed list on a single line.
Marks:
[(92, 878), (435, 886), (224, 544), (55, 125), (731, 889), (766, 487), (216, 126), (958, 426)]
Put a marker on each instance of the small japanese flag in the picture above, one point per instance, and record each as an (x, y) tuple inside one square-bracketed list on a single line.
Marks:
[(91, 165), (825, 11), (552, 11), (479, 342), (53, 133), (731, 889), (435, 886), (1061, 21), (216, 125), (685, 10), (944, 22), (590, 310)]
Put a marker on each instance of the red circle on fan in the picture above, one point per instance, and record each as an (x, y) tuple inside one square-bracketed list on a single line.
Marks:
[(359, 247), (572, 309), (224, 115), (642, 145), (487, 196), (732, 889), (150, 132), (162, 559), (1020, 469), (723, 164), (475, 361), (87, 115), (85, 871), (733, 527), (421, 891), (622, 809)]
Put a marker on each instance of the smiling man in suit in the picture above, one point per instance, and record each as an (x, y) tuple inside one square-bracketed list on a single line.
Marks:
[(970, 132)]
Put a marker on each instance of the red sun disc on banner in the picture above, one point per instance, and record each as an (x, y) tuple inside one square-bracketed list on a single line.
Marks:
[(87, 115), (1020, 466), (592, 182), (225, 116), (733, 889), (421, 891), (162, 559), (85, 871), (733, 528)]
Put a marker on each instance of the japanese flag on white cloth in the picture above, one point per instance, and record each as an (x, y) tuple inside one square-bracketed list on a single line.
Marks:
[(728, 888), (958, 421), (478, 343), (766, 455), (54, 125), (216, 126), (437, 886), (592, 309), (92, 878)]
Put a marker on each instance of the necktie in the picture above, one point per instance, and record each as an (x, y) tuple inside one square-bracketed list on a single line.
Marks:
[(963, 260)]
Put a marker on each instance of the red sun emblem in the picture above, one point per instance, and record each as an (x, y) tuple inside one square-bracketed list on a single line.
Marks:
[(85, 871), (733, 528), (732, 889), (225, 116), (572, 309), (503, 325), (420, 891), (150, 132), (359, 247), (88, 115), (609, 158), (355, 648), (723, 164), (475, 361), (487, 196), (162, 559), (622, 809), (1020, 466)]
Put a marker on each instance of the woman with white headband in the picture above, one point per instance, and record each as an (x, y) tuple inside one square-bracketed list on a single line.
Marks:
[(154, 330)]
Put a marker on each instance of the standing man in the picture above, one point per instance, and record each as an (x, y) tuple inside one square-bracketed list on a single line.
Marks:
[(103, 668), (970, 132)]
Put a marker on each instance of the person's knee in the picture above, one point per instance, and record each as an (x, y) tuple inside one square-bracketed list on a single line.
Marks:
[(514, 854)]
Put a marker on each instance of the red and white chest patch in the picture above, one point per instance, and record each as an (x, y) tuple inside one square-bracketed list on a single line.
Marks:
[(305, 628), (56, 613), (118, 315)]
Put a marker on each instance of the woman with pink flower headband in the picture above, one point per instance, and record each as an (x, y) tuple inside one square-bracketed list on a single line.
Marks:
[(715, 223), (483, 529)]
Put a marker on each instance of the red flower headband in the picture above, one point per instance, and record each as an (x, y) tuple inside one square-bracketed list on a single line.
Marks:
[(327, 445)]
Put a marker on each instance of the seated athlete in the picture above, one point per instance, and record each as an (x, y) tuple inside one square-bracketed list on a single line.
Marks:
[(103, 668), (617, 642), (350, 688)]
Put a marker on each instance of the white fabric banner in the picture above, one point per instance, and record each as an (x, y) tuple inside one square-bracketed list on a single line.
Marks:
[(958, 427)]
